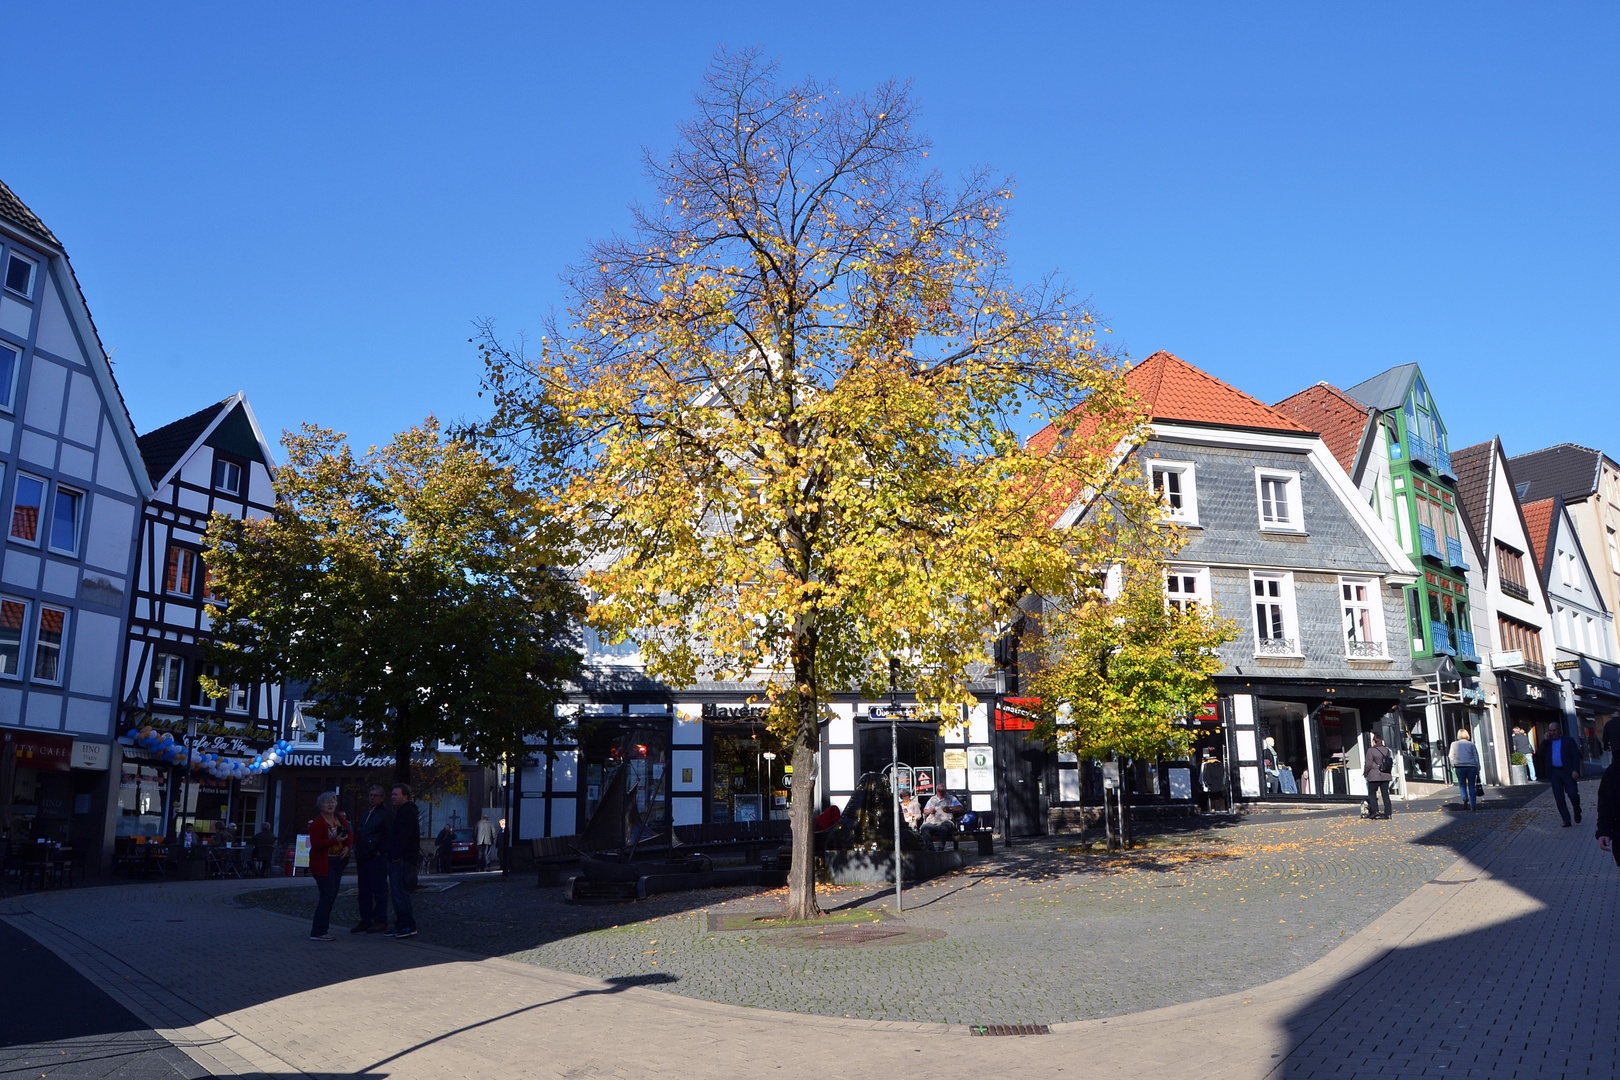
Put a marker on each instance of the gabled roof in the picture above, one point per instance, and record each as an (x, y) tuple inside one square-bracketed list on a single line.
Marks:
[(1570, 471), (1341, 420), (1472, 466), (1539, 518), (13, 210), (1387, 390), (227, 425), (168, 445)]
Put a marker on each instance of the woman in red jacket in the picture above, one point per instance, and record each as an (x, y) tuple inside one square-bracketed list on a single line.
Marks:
[(330, 840)]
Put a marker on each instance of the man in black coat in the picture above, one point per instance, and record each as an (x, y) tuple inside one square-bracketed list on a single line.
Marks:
[(1558, 761), (404, 849), (1608, 823), (371, 863)]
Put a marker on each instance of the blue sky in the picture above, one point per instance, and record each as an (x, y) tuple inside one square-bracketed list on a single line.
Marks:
[(313, 203)]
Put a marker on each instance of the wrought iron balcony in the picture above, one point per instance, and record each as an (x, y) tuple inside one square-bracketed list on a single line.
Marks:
[(1442, 639), (1278, 646), (1429, 454), (1465, 646), (1430, 544), (1365, 650), (1454, 554)]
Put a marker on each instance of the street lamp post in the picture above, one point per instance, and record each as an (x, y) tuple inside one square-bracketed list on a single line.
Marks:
[(1000, 769), (767, 758), (894, 772)]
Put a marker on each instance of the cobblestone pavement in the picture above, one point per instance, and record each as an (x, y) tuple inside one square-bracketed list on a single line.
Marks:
[(1046, 934), (1508, 969)]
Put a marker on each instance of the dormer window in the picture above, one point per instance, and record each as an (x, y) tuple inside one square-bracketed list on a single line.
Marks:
[(19, 275), (1278, 494), (1174, 483), (227, 476)]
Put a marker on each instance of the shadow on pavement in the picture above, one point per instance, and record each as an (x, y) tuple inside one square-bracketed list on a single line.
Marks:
[(1532, 993)]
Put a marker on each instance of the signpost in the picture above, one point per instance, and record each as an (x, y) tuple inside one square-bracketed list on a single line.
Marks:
[(894, 777)]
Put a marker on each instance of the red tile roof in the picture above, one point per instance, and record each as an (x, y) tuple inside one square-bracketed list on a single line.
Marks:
[(1341, 419), (1171, 389), (1538, 518)]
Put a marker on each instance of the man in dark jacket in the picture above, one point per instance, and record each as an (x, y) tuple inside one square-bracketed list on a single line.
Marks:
[(404, 849), (1608, 824), (1558, 761), (371, 863), (1377, 769)]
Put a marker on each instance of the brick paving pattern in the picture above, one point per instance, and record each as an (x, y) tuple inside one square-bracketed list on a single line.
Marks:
[(1510, 974)]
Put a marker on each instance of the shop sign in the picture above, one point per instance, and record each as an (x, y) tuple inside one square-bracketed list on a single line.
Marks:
[(317, 761), (91, 755), (734, 712), (1017, 713), (36, 750), (301, 851), (1566, 665), (981, 769), (924, 781), (955, 759), (1525, 691)]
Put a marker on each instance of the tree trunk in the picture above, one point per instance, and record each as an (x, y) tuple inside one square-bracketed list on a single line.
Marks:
[(402, 764), (801, 902)]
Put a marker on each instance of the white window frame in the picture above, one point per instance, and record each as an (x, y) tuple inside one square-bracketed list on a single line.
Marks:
[(313, 736), (1375, 608), (1187, 474), (60, 647), (220, 463), (196, 561), (22, 636), (1199, 575), (33, 274), (160, 662), (8, 387), (1290, 614), (1296, 508), (39, 523), (82, 500)]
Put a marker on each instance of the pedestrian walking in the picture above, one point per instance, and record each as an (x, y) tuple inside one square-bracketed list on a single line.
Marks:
[(444, 844), (484, 836), (371, 863), (1464, 758), (1521, 745), (1608, 811), (1378, 769), (404, 849), (329, 843), (1558, 760)]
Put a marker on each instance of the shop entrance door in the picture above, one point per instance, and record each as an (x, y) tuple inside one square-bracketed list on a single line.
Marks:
[(1022, 780), (1286, 750)]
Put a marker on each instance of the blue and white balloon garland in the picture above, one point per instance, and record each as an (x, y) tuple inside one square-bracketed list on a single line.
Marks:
[(163, 745)]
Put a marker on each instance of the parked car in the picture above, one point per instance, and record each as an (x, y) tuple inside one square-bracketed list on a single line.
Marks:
[(463, 851)]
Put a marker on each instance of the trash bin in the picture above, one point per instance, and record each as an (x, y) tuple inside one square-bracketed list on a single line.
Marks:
[(987, 842)]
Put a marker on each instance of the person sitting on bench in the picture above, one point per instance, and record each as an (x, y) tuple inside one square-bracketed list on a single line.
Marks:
[(938, 820)]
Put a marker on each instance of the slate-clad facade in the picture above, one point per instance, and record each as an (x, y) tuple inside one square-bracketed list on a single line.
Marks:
[(72, 482), (1279, 540)]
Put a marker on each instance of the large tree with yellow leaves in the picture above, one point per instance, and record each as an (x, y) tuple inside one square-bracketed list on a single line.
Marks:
[(782, 413)]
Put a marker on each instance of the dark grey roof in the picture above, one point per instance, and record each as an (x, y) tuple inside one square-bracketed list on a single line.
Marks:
[(1472, 466), (1566, 470), (13, 210), (165, 446), (1387, 390)]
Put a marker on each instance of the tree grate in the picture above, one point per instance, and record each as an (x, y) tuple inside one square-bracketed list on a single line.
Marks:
[(1011, 1029)]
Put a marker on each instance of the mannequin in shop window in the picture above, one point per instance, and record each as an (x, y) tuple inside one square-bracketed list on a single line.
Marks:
[(1268, 762)]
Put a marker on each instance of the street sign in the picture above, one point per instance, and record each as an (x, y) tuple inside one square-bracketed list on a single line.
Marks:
[(923, 781), (1566, 665), (1110, 771), (884, 712)]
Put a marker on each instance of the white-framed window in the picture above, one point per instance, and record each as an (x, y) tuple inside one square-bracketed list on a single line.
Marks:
[(1614, 551), (236, 700), (1176, 485), (180, 571), (227, 476), (1186, 587), (20, 273), (10, 363), (1572, 573), (168, 676), (308, 731), (53, 627), (27, 502), (67, 512), (1363, 618), (1278, 495), (13, 618), (1276, 630)]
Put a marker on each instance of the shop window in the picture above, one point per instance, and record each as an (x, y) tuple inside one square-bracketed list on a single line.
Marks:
[(1285, 754), (744, 784), (142, 798), (643, 756), (168, 673), (1275, 630), (13, 617), (919, 746), (1175, 483), (48, 645)]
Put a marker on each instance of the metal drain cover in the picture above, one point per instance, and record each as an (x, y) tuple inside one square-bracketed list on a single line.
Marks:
[(1011, 1029)]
